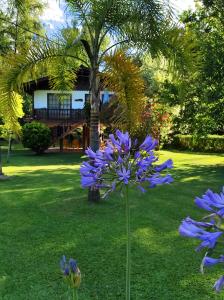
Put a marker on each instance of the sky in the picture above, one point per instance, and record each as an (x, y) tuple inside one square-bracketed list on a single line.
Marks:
[(54, 17)]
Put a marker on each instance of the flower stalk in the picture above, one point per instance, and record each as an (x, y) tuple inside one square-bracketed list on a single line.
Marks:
[(121, 164), (128, 263)]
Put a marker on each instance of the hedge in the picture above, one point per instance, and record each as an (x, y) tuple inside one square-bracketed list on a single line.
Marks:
[(211, 143)]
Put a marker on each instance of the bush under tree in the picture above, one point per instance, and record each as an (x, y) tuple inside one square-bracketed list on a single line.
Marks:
[(36, 136)]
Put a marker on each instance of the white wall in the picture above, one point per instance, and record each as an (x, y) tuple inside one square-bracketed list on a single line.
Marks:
[(40, 98)]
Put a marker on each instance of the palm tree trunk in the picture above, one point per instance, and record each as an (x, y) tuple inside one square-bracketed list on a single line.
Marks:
[(1, 172), (94, 194)]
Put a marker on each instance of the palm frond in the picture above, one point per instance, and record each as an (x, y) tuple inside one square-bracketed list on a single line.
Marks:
[(124, 78), (19, 68)]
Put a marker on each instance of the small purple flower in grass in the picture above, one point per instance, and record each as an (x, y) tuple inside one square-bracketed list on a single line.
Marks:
[(71, 271), (208, 232)]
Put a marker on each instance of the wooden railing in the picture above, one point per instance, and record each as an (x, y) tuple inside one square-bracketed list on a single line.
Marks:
[(59, 114)]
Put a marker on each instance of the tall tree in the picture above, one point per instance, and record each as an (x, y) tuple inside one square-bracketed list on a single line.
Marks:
[(20, 20), (202, 97)]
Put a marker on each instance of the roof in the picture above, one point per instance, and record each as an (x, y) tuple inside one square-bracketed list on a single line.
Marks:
[(81, 83)]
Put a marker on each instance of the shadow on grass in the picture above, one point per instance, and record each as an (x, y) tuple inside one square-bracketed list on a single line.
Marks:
[(26, 157)]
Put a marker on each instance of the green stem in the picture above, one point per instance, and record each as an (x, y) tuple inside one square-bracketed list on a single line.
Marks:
[(75, 294), (128, 263)]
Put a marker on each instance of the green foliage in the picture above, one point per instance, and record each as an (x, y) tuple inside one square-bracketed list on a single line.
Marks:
[(36, 136), (210, 143), (15, 15), (201, 94)]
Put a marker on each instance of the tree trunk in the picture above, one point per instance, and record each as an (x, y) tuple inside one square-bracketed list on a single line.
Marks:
[(1, 172), (61, 144), (94, 194)]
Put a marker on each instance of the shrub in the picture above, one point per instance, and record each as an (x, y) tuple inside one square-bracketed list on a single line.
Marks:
[(36, 136), (210, 143)]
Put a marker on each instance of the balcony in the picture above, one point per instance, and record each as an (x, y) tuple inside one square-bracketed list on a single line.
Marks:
[(46, 114)]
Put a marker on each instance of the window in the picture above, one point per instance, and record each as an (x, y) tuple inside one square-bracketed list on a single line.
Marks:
[(59, 101)]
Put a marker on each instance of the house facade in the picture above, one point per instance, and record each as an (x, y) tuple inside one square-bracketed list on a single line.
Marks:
[(63, 111)]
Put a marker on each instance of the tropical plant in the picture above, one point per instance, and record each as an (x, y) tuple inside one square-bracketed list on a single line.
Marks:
[(19, 19), (123, 77), (141, 23), (36, 136)]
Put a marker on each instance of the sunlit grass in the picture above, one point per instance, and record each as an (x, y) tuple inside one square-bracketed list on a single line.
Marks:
[(44, 214)]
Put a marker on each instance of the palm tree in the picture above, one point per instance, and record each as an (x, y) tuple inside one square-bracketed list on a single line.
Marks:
[(1, 171), (137, 23)]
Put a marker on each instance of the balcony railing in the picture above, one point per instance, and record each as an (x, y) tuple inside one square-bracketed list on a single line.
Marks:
[(59, 114)]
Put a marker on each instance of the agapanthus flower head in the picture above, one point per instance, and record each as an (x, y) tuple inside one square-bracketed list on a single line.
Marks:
[(208, 233), (121, 163), (70, 271)]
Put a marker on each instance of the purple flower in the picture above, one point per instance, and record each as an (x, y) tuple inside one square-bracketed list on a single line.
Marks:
[(123, 143), (73, 265), (86, 169), (124, 175), (209, 261), (166, 165), (88, 181), (219, 284), (65, 268), (120, 162), (157, 179), (90, 153), (209, 239), (207, 232), (145, 163), (190, 229), (71, 271), (211, 201), (148, 144)]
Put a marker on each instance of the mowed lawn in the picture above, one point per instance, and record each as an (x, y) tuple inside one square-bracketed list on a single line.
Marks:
[(44, 214)]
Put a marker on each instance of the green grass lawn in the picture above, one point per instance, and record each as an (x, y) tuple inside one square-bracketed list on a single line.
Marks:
[(44, 214)]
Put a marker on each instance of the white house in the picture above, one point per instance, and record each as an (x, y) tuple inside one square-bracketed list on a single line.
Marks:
[(62, 111), (48, 104)]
